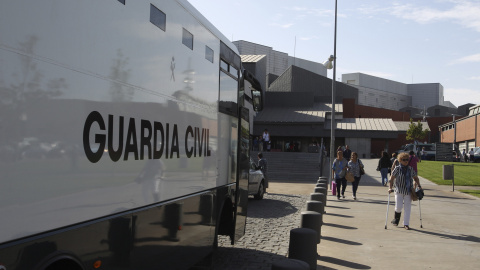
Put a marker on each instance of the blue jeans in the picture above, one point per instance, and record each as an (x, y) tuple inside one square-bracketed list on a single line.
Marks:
[(384, 173), (355, 185)]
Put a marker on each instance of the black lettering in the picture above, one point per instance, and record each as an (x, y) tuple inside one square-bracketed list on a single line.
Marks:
[(195, 142), (166, 141), (189, 152), (115, 154), (94, 157), (145, 140), (157, 126), (200, 143), (175, 147), (208, 142), (131, 145)]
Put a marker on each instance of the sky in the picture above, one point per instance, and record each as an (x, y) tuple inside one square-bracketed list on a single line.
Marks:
[(408, 41)]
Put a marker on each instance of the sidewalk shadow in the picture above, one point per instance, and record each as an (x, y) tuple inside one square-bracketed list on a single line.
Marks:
[(462, 237), (263, 208), (240, 258), (339, 215), (341, 241), (338, 207), (340, 226), (343, 263)]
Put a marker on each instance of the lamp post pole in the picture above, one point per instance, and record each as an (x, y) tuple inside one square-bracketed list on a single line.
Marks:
[(332, 127)]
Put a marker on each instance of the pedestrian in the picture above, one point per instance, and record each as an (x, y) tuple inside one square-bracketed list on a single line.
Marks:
[(255, 143), (402, 177), (263, 166), (471, 154), (383, 165), (464, 155), (266, 140), (347, 153), (413, 160), (339, 169), (260, 144), (424, 153), (354, 166), (394, 162)]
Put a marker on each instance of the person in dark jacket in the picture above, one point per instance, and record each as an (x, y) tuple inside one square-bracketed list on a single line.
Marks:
[(383, 165)]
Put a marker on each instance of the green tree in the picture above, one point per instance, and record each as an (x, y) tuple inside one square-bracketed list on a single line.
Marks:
[(416, 132)]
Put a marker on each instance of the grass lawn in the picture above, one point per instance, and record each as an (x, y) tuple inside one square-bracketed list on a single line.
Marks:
[(465, 174), (471, 192)]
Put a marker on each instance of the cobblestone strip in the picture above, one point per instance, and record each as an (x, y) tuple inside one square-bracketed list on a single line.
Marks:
[(267, 234)]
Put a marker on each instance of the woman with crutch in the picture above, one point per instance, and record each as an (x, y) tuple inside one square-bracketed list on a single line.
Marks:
[(403, 177)]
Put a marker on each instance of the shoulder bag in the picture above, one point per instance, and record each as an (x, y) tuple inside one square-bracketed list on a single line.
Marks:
[(362, 171), (350, 178)]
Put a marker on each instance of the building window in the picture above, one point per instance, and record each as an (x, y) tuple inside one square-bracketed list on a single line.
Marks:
[(157, 17), (187, 39), (208, 54)]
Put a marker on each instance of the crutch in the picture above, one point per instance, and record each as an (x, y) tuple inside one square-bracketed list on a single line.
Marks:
[(420, 208), (388, 204)]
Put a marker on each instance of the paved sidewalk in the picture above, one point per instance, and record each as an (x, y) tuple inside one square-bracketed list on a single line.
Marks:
[(354, 234)]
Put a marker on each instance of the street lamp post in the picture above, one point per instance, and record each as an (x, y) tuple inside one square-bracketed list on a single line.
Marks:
[(328, 65)]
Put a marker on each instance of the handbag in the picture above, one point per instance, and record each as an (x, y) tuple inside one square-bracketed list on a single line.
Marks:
[(350, 177), (413, 194), (362, 171)]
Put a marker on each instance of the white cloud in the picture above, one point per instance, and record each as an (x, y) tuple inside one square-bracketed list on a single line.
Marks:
[(474, 78), (463, 12), (286, 25), (467, 59)]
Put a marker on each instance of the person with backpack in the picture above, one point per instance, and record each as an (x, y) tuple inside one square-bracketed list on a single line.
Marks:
[(402, 178), (339, 170)]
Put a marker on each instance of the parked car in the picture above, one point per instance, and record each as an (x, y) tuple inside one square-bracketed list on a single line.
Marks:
[(417, 148), (256, 182), (476, 157)]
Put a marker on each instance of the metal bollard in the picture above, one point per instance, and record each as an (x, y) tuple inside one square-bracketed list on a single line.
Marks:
[(322, 198), (312, 220), (320, 190), (322, 177), (322, 180), (317, 197), (324, 185), (303, 247), (316, 206), (290, 264)]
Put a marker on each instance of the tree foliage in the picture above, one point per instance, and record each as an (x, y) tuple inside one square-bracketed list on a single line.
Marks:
[(415, 131)]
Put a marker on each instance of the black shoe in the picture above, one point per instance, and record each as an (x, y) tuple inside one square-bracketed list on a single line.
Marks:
[(343, 196), (396, 220), (338, 197)]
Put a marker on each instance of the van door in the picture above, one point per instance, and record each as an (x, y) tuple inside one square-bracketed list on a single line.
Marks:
[(241, 194)]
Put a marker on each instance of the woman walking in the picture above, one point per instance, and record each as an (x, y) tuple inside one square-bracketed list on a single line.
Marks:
[(383, 165), (354, 166), (339, 169), (403, 176)]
